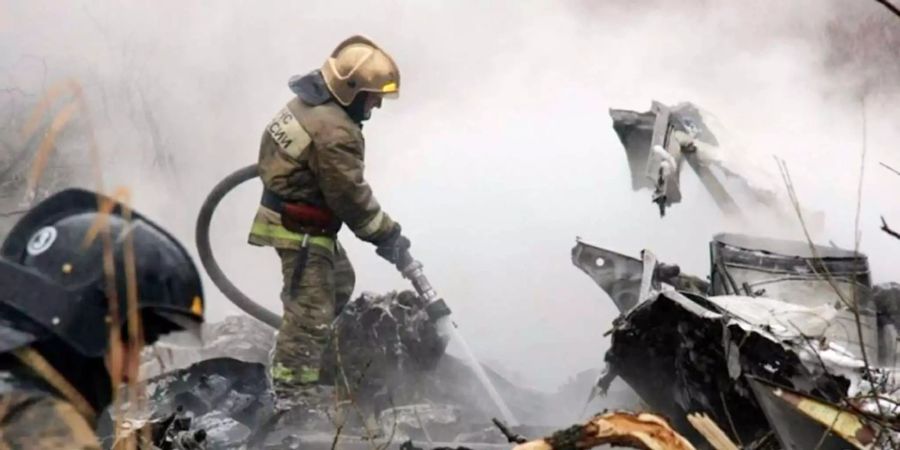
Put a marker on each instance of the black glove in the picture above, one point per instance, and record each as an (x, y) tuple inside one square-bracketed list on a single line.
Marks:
[(395, 248)]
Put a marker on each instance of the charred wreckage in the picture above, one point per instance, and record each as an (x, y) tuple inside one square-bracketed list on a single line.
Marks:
[(784, 345), (769, 348)]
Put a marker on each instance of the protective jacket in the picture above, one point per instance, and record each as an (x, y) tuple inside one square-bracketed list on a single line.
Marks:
[(312, 157), (36, 416)]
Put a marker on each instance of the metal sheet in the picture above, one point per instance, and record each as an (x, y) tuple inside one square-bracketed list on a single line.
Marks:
[(796, 430), (618, 275)]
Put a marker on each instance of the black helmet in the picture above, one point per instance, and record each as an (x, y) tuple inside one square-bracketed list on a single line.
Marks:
[(53, 283)]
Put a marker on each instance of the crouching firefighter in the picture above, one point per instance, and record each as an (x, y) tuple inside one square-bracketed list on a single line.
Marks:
[(311, 164), (65, 338)]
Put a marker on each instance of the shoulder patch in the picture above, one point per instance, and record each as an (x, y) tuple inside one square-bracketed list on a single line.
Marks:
[(287, 132)]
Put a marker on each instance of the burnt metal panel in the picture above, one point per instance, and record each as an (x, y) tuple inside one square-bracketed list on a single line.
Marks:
[(682, 355), (618, 275), (635, 131), (791, 272)]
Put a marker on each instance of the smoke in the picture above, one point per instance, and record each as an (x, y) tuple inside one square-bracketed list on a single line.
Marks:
[(500, 150)]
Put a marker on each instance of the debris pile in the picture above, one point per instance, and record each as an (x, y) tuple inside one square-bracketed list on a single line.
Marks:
[(379, 343), (393, 383), (765, 349), (789, 347), (237, 337)]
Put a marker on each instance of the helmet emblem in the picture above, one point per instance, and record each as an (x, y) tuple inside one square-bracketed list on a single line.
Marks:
[(41, 241)]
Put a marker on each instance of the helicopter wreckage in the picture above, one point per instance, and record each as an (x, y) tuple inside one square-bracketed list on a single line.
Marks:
[(783, 345)]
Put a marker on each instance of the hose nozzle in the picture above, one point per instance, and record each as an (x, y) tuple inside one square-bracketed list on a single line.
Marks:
[(413, 272)]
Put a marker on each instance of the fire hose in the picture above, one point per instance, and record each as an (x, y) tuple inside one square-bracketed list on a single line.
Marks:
[(207, 258), (411, 269)]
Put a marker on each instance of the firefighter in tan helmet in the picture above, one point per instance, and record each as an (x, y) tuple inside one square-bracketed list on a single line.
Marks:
[(311, 164)]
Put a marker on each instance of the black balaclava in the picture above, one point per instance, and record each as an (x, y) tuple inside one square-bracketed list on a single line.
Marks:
[(357, 108), (88, 375)]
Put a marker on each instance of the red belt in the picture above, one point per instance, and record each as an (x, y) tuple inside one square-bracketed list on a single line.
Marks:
[(302, 217)]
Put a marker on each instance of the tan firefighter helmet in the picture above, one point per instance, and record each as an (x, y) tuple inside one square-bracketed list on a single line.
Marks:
[(357, 65)]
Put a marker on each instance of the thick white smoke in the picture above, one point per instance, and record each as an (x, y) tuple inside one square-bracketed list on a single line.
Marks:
[(500, 150)]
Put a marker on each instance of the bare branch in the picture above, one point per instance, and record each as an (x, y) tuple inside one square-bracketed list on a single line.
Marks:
[(889, 168), (337, 434), (887, 229), (795, 202), (13, 212), (390, 439), (789, 184), (728, 416), (511, 437), (370, 434), (862, 172), (890, 7), (853, 304)]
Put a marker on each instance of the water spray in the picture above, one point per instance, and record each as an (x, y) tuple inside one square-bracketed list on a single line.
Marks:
[(439, 312)]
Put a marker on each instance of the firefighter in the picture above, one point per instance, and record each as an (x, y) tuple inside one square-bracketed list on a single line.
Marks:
[(311, 164), (61, 353)]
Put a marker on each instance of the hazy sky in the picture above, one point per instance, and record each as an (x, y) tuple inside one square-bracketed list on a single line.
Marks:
[(499, 151)]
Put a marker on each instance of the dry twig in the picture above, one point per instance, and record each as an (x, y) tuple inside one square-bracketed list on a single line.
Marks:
[(73, 102), (789, 184), (826, 432), (337, 434), (511, 437), (889, 168), (858, 238), (730, 420), (15, 212), (421, 425), (854, 304), (887, 229), (343, 374), (890, 7), (390, 439), (77, 104), (786, 176)]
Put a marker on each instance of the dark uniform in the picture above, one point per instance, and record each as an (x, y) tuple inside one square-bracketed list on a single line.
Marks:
[(55, 318)]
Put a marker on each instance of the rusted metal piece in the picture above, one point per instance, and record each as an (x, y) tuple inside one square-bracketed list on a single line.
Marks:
[(641, 431)]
